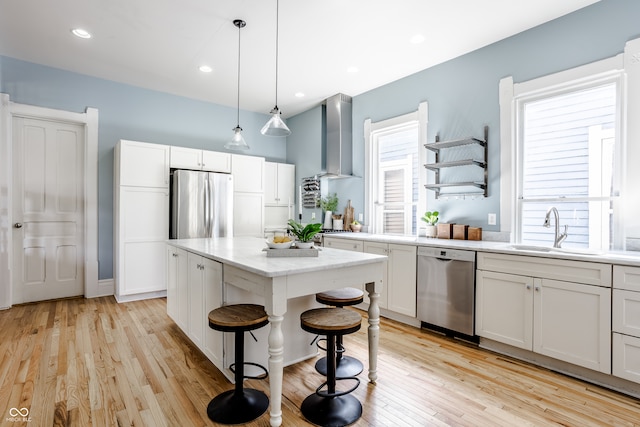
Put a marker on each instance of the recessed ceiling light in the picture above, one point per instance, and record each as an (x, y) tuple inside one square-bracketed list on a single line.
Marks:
[(352, 69), (79, 32), (205, 69), (417, 39), (299, 95)]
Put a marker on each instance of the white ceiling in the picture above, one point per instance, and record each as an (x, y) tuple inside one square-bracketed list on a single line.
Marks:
[(159, 44)]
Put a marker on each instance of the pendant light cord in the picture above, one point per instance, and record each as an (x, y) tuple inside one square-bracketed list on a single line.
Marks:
[(238, 103), (277, 43)]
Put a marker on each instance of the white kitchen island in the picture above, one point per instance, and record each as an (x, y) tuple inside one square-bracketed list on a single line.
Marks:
[(246, 266)]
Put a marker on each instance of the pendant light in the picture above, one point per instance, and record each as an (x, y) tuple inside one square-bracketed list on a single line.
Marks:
[(238, 142), (275, 126)]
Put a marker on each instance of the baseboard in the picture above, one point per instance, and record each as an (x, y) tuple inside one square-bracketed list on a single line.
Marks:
[(138, 297), (106, 287)]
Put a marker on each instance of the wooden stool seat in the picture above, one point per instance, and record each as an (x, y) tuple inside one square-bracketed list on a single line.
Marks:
[(341, 297), (331, 407), (238, 317), (334, 321), (240, 405)]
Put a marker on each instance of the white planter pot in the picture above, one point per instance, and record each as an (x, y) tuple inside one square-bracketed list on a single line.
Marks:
[(431, 231), (304, 245)]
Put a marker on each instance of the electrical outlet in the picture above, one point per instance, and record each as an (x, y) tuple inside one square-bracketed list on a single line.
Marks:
[(313, 216), (360, 217), (491, 219)]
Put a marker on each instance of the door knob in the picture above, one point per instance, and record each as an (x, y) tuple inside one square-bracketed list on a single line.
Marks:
[(17, 225)]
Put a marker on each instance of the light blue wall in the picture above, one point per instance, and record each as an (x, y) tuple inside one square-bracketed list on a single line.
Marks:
[(127, 112), (463, 93)]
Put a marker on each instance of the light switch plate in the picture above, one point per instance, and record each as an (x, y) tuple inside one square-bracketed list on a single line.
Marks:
[(491, 219)]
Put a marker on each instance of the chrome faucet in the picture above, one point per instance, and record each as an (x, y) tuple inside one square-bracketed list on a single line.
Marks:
[(559, 237)]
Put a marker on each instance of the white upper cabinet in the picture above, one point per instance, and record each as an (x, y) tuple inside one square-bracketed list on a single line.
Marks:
[(248, 173), (141, 164), (279, 184), (194, 159)]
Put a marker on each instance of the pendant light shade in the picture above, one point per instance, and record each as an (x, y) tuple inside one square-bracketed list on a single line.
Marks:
[(237, 142), (275, 126)]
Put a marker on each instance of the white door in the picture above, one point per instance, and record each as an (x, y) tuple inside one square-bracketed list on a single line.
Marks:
[(48, 205)]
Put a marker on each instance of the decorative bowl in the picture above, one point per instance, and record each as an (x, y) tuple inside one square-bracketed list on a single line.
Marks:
[(304, 245), (285, 245)]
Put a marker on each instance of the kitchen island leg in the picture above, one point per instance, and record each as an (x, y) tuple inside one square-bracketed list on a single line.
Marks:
[(374, 330), (276, 357)]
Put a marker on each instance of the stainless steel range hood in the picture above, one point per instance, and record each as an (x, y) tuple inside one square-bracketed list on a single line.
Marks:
[(339, 150)]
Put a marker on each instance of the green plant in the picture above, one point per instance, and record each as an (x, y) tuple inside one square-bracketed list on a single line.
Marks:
[(329, 203), (355, 222), (306, 233), (431, 218)]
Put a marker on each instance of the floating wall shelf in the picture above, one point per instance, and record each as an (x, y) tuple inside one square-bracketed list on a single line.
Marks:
[(441, 163)]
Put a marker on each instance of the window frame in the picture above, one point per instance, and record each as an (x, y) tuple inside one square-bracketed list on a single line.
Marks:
[(373, 130), (512, 99), (588, 82)]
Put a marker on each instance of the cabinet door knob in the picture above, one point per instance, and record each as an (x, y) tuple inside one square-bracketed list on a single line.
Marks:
[(537, 289), (18, 225), (528, 286), (175, 255)]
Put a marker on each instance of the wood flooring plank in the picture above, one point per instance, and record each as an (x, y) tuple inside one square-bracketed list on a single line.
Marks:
[(95, 362)]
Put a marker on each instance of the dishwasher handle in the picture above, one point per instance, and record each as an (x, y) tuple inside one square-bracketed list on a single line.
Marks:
[(446, 254)]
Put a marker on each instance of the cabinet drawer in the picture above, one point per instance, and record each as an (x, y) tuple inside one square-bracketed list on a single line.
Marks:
[(345, 244), (590, 273), (626, 357), (626, 312), (626, 278)]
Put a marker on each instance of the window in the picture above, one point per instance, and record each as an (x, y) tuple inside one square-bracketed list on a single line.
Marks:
[(394, 161), (568, 158)]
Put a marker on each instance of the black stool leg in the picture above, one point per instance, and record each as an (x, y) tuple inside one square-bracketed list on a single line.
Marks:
[(346, 366), (336, 411), (239, 405)]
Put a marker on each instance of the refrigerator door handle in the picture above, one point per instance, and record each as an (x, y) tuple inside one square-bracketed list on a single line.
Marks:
[(207, 209)]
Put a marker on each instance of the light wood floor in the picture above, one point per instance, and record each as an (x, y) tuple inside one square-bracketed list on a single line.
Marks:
[(95, 362)]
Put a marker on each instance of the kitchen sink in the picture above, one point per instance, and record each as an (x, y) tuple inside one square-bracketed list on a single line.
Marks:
[(548, 249), (531, 248)]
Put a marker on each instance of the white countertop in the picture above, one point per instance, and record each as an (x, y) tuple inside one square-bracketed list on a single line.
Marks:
[(247, 253), (631, 258)]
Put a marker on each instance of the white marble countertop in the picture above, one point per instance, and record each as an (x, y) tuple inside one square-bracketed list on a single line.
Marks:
[(247, 253), (631, 258)]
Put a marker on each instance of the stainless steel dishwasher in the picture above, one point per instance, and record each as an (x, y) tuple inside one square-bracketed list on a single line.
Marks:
[(446, 289)]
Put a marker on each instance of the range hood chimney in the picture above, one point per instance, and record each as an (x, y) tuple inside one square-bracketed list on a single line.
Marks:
[(339, 151)]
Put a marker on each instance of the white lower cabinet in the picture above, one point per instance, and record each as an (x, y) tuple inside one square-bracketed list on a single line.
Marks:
[(564, 320), (194, 288), (399, 287), (399, 283), (347, 245), (626, 322)]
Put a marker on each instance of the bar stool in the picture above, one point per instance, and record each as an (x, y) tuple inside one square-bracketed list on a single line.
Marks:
[(331, 408), (239, 405), (347, 366)]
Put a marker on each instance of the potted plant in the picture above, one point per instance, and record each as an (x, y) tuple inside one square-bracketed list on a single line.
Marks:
[(356, 226), (329, 205), (431, 218), (304, 234)]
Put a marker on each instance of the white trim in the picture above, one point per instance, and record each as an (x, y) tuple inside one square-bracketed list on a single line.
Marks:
[(507, 155), (5, 205), (510, 98), (631, 133), (90, 121), (421, 117)]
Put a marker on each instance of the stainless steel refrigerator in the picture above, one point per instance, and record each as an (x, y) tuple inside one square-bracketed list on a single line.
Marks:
[(201, 204)]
